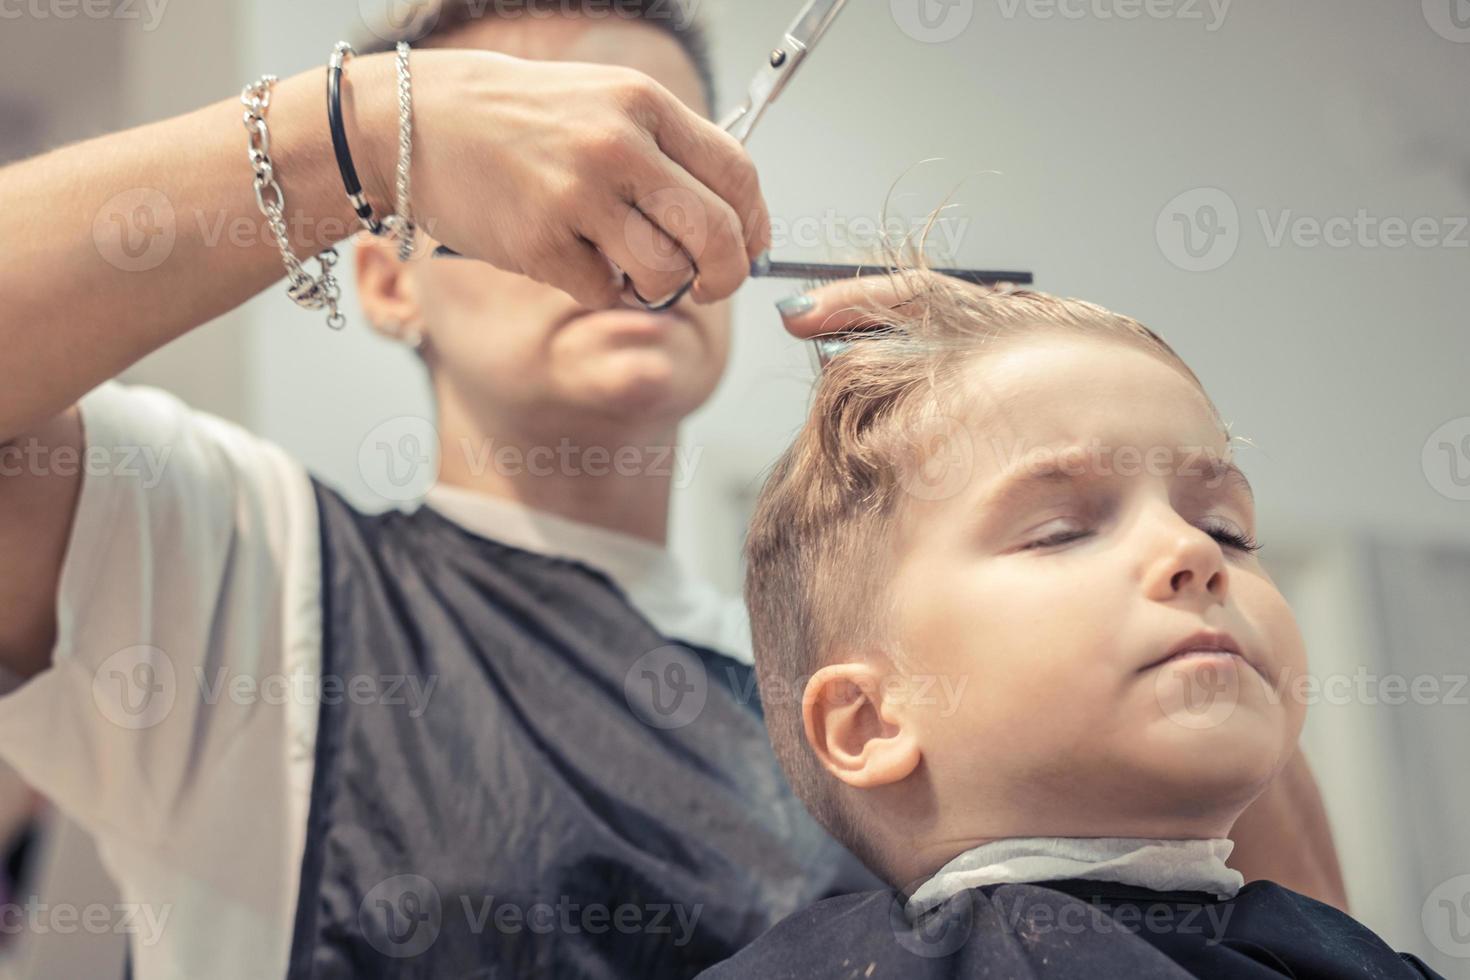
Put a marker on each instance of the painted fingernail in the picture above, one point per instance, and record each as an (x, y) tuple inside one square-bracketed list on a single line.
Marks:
[(796, 305), (761, 264), (829, 347)]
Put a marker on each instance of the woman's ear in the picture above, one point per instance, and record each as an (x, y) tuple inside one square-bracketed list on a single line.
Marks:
[(388, 291), (858, 736)]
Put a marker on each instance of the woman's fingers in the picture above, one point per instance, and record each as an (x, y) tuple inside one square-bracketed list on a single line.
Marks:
[(718, 161), (583, 273), (851, 304), (706, 228), (536, 167), (655, 262)]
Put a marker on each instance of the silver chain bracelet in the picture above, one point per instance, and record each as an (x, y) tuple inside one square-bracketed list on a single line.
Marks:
[(400, 225), (307, 291)]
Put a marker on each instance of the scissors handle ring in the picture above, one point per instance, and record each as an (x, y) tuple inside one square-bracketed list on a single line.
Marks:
[(664, 303)]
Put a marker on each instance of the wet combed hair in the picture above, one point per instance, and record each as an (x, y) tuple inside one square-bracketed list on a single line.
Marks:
[(435, 23), (820, 547)]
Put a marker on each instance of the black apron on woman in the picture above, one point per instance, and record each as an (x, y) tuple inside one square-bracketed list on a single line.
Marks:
[(579, 797)]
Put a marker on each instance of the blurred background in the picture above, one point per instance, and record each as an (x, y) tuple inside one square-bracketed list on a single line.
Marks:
[(1280, 190)]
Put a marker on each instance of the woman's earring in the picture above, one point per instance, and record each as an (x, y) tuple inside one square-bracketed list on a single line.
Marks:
[(401, 333)]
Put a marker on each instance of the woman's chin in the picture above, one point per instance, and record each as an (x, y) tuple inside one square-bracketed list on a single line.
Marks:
[(640, 385)]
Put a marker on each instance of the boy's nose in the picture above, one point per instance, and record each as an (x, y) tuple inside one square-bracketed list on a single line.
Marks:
[(1186, 561)]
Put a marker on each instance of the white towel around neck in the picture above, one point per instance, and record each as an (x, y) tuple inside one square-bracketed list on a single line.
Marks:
[(1160, 865)]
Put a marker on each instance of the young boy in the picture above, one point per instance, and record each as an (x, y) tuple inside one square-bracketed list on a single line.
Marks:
[(1017, 650)]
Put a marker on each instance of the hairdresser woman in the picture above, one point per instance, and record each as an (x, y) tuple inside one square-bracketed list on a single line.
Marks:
[(514, 739)]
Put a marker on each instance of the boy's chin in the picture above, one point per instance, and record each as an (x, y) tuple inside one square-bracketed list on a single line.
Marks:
[(1226, 766)]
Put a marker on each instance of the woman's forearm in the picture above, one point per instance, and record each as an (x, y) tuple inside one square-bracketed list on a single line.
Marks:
[(119, 244), (1284, 837)]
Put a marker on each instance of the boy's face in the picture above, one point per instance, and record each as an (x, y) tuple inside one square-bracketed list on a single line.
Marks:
[(1056, 601)]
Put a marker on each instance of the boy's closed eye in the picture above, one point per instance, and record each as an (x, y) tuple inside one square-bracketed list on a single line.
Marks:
[(1058, 505), (1225, 533)]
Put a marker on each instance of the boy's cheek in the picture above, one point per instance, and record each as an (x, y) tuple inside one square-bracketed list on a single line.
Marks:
[(1286, 650)]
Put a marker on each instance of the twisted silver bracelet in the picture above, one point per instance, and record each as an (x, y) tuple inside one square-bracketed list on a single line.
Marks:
[(400, 225), (307, 291)]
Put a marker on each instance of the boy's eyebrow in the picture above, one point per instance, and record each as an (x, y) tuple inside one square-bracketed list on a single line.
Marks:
[(1225, 473), (1025, 480)]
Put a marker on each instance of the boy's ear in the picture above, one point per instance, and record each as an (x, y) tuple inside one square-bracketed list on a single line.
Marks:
[(858, 737)]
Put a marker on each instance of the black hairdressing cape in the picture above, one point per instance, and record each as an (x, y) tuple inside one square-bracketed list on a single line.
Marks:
[(581, 798), (1063, 930)]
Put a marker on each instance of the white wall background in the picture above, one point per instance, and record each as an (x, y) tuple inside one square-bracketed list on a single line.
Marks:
[(1339, 362)]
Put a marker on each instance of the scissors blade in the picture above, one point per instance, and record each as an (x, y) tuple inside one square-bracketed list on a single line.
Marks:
[(813, 21), (800, 38)]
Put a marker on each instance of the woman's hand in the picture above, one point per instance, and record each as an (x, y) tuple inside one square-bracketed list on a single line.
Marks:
[(859, 302), (537, 167)]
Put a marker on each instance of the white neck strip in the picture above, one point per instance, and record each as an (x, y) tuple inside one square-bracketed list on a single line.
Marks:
[(1159, 865)]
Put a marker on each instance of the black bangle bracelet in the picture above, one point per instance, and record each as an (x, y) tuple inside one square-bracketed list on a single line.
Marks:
[(339, 140)]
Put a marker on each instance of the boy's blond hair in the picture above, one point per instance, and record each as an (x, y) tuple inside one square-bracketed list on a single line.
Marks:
[(820, 543)]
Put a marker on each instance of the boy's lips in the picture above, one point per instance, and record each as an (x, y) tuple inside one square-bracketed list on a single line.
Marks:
[(1204, 642)]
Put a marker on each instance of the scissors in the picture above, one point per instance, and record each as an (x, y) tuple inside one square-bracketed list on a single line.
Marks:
[(770, 81), (765, 88)]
